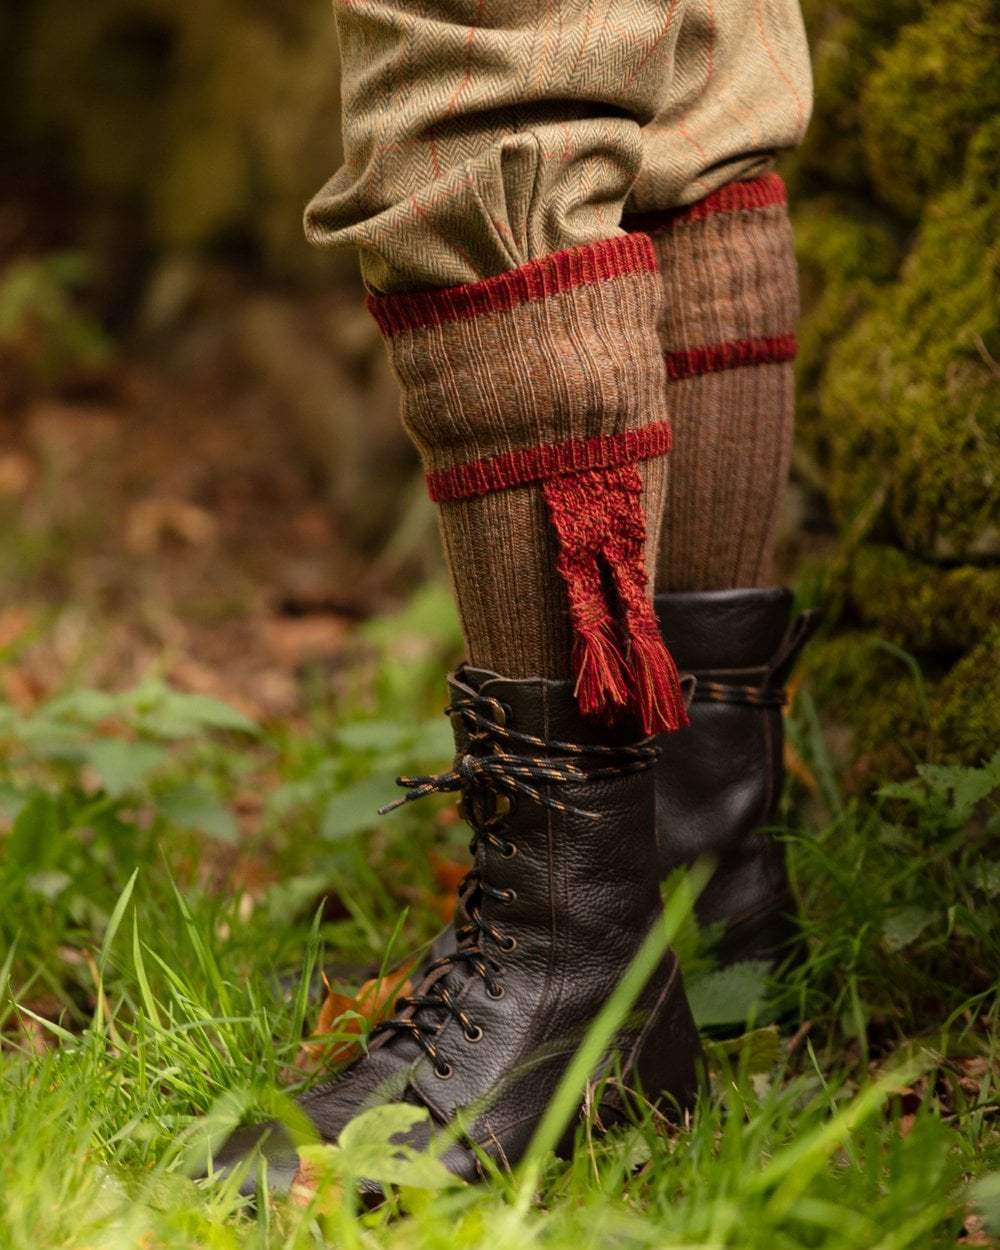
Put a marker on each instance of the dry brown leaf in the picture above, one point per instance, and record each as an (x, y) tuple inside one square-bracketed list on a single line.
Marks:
[(306, 1186), (17, 472), (14, 622), (21, 689), (373, 1002), (448, 873), (151, 521), (974, 1233), (295, 641)]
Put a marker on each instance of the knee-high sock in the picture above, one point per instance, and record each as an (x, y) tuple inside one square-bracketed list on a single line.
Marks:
[(536, 399), (727, 329)]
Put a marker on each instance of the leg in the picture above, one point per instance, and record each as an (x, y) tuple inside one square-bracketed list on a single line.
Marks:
[(489, 151), (718, 218), (490, 148), (720, 227)]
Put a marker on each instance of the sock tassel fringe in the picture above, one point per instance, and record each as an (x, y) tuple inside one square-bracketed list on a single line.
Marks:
[(620, 665)]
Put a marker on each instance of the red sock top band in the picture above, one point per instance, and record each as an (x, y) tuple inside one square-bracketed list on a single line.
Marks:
[(538, 279), (756, 193)]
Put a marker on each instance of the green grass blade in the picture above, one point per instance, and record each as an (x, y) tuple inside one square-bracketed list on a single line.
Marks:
[(566, 1099), (116, 918)]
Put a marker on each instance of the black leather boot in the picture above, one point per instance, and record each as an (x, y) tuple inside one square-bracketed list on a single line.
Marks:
[(562, 891), (718, 782)]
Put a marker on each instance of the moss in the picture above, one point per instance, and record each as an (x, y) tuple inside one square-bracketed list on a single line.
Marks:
[(871, 692), (845, 256), (966, 708), (921, 606), (931, 90), (886, 720), (909, 400), (846, 40)]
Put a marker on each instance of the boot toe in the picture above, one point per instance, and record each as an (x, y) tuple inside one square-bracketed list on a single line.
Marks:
[(266, 1146)]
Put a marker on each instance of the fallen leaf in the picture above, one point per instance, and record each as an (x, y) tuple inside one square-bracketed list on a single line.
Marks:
[(14, 622), (974, 1232), (16, 473), (448, 873), (295, 641), (21, 689), (152, 521), (373, 1002), (310, 1181)]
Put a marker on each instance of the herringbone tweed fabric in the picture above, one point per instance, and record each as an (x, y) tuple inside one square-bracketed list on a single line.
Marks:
[(481, 134)]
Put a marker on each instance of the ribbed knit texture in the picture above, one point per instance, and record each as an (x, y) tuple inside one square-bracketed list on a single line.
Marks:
[(552, 369), (727, 329)]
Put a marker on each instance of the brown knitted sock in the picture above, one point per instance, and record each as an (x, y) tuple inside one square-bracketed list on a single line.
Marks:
[(727, 327), (536, 399)]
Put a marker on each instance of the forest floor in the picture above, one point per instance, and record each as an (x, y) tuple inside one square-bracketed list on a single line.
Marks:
[(204, 698), (175, 870)]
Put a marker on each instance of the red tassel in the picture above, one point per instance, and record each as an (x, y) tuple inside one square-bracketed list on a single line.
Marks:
[(601, 676), (599, 519), (658, 696)]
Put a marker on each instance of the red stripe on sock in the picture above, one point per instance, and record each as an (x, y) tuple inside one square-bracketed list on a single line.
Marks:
[(538, 464), (537, 280), (734, 355), (734, 197)]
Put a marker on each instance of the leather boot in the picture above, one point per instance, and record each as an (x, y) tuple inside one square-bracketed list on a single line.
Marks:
[(719, 781), (562, 891)]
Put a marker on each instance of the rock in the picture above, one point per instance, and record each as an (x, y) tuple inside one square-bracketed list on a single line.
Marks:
[(921, 606), (926, 99), (910, 397)]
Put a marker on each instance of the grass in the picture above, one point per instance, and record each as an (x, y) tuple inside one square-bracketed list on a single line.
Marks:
[(162, 878)]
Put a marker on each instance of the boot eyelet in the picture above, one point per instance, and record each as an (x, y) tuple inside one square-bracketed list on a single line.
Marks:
[(502, 806), (444, 1071), (510, 896), (508, 944), (495, 993), (473, 1033), (508, 850)]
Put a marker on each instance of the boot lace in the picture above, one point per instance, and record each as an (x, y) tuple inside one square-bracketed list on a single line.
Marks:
[(498, 764)]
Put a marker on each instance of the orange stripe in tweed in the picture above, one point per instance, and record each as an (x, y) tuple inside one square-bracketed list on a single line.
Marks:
[(538, 464), (537, 280)]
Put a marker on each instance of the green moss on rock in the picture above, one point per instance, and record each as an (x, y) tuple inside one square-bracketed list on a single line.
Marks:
[(846, 40), (863, 686), (845, 256), (966, 708), (921, 606), (910, 402), (930, 92)]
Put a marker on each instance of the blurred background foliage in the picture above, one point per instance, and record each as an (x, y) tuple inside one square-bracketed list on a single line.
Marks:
[(897, 194), (199, 452)]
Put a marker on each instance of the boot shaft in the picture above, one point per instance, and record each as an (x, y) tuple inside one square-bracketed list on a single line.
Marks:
[(721, 778), (578, 857)]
